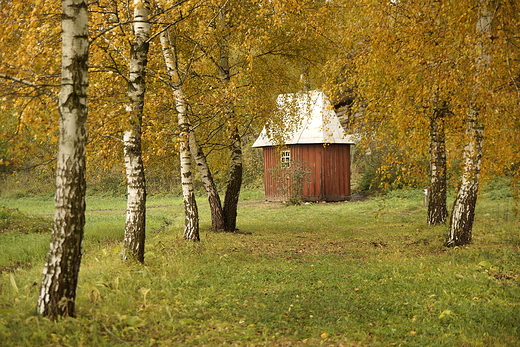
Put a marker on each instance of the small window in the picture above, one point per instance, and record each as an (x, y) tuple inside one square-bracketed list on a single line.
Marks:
[(286, 159)]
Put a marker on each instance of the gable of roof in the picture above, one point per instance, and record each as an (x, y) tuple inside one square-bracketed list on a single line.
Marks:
[(319, 122)]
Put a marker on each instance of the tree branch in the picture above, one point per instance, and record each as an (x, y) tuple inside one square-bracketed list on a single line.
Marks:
[(33, 85)]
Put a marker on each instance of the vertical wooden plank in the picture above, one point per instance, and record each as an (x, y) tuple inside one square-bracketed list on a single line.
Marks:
[(327, 172), (327, 176), (265, 152), (339, 173), (269, 188), (336, 172), (339, 158), (348, 170)]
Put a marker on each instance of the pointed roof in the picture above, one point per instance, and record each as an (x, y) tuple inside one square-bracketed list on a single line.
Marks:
[(319, 123)]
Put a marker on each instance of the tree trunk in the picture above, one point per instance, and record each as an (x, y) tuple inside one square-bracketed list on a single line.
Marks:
[(215, 205), (135, 233), (437, 209), (191, 225), (135, 226), (233, 185), (217, 216), (234, 182), (463, 214), (60, 273)]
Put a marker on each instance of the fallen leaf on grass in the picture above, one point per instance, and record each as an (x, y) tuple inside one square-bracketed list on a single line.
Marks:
[(444, 314)]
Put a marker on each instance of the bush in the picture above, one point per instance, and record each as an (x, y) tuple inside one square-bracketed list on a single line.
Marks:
[(498, 189), (291, 180), (14, 220), (28, 183)]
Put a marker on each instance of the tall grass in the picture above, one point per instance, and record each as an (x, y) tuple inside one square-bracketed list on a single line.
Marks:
[(22, 237), (365, 273)]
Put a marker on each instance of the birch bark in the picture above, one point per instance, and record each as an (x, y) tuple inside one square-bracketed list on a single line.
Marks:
[(60, 274), (191, 224), (215, 205), (463, 214), (437, 209), (217, 216), (234, 182), (135, 227)]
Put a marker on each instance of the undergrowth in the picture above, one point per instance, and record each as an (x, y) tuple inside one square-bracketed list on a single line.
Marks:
[(22, 238), (14, 220)]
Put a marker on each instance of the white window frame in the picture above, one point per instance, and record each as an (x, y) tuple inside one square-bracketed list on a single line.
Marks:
[(285, 159)]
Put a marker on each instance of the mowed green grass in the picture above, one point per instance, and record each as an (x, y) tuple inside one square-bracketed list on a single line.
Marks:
[(367, 273)]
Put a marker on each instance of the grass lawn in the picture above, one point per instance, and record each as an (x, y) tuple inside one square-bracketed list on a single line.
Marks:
[(367, 273)]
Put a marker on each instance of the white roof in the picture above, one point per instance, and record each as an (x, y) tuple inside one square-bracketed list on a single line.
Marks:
[(318, 121)]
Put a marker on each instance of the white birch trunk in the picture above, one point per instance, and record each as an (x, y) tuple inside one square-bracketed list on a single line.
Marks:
[(217, 217), (463, 214), (437, 210), (135, 226), (191, 225), (215, 205), (60, 273)]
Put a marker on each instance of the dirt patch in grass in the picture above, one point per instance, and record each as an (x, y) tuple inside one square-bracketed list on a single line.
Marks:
[(508, 278)]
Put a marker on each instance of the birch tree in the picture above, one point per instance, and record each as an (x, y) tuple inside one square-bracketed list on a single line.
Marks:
[(403, 81), (234, 181), (60, 274), (191, 225), (437, 207), (216, 49), (463, 213), (215, 204), (177, 79), (261, 49), (133, 244), (422, 66)]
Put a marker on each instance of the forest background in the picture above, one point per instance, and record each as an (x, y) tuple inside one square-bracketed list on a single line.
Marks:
[(388, 62)]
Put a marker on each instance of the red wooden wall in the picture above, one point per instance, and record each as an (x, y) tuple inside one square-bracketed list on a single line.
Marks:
[(329, 178)]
